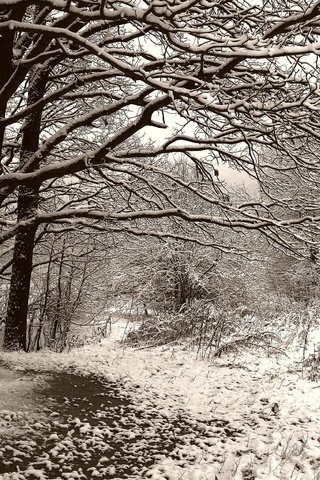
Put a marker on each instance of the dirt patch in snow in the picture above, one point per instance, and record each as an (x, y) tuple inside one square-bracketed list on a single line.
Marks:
[(18, 389), (19, 401), (92, 428)]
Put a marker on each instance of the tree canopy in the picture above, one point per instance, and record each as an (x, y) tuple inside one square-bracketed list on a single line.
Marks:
[(117, 115), (126, 83)]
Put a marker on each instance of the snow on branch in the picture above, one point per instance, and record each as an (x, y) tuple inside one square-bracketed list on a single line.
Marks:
[(201, 84)]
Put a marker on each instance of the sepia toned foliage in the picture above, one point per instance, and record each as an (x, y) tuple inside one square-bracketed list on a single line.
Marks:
[(100, 100)]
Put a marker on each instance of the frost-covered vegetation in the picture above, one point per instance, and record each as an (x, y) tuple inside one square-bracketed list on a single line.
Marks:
[(158, 413), (123, 123), (159, 170)]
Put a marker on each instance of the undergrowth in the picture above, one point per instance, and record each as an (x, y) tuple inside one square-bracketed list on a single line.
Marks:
[(215, 331)]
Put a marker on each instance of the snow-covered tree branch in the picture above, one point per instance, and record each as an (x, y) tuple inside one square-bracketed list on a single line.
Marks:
[(102, 102)]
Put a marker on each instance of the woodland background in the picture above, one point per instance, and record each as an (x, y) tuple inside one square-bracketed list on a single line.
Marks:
[(116, 121)]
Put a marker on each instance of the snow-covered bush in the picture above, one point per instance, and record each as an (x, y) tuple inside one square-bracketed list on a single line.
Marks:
[(213, 330), (161, 329), (203, 325)]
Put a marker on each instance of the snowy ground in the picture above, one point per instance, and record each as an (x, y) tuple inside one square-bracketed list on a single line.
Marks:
[(181, 418)]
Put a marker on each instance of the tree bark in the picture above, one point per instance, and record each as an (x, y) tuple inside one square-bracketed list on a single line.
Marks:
[(28, 198), (17, 310)]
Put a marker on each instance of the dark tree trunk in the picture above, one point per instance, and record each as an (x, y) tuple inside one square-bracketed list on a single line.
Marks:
[(28, 198), (17, 311)]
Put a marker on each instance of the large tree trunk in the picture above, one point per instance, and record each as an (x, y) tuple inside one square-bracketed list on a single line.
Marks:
[(28, 199), (17, 310)]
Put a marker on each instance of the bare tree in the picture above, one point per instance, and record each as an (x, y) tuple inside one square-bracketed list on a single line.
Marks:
[(68, 287), (92, 94)]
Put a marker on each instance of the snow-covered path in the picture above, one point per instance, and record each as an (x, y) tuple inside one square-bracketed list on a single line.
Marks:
[(177, 417)]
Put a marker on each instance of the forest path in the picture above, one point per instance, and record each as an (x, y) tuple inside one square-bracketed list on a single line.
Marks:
[(108, 412), (62, 425), (71, 426)]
